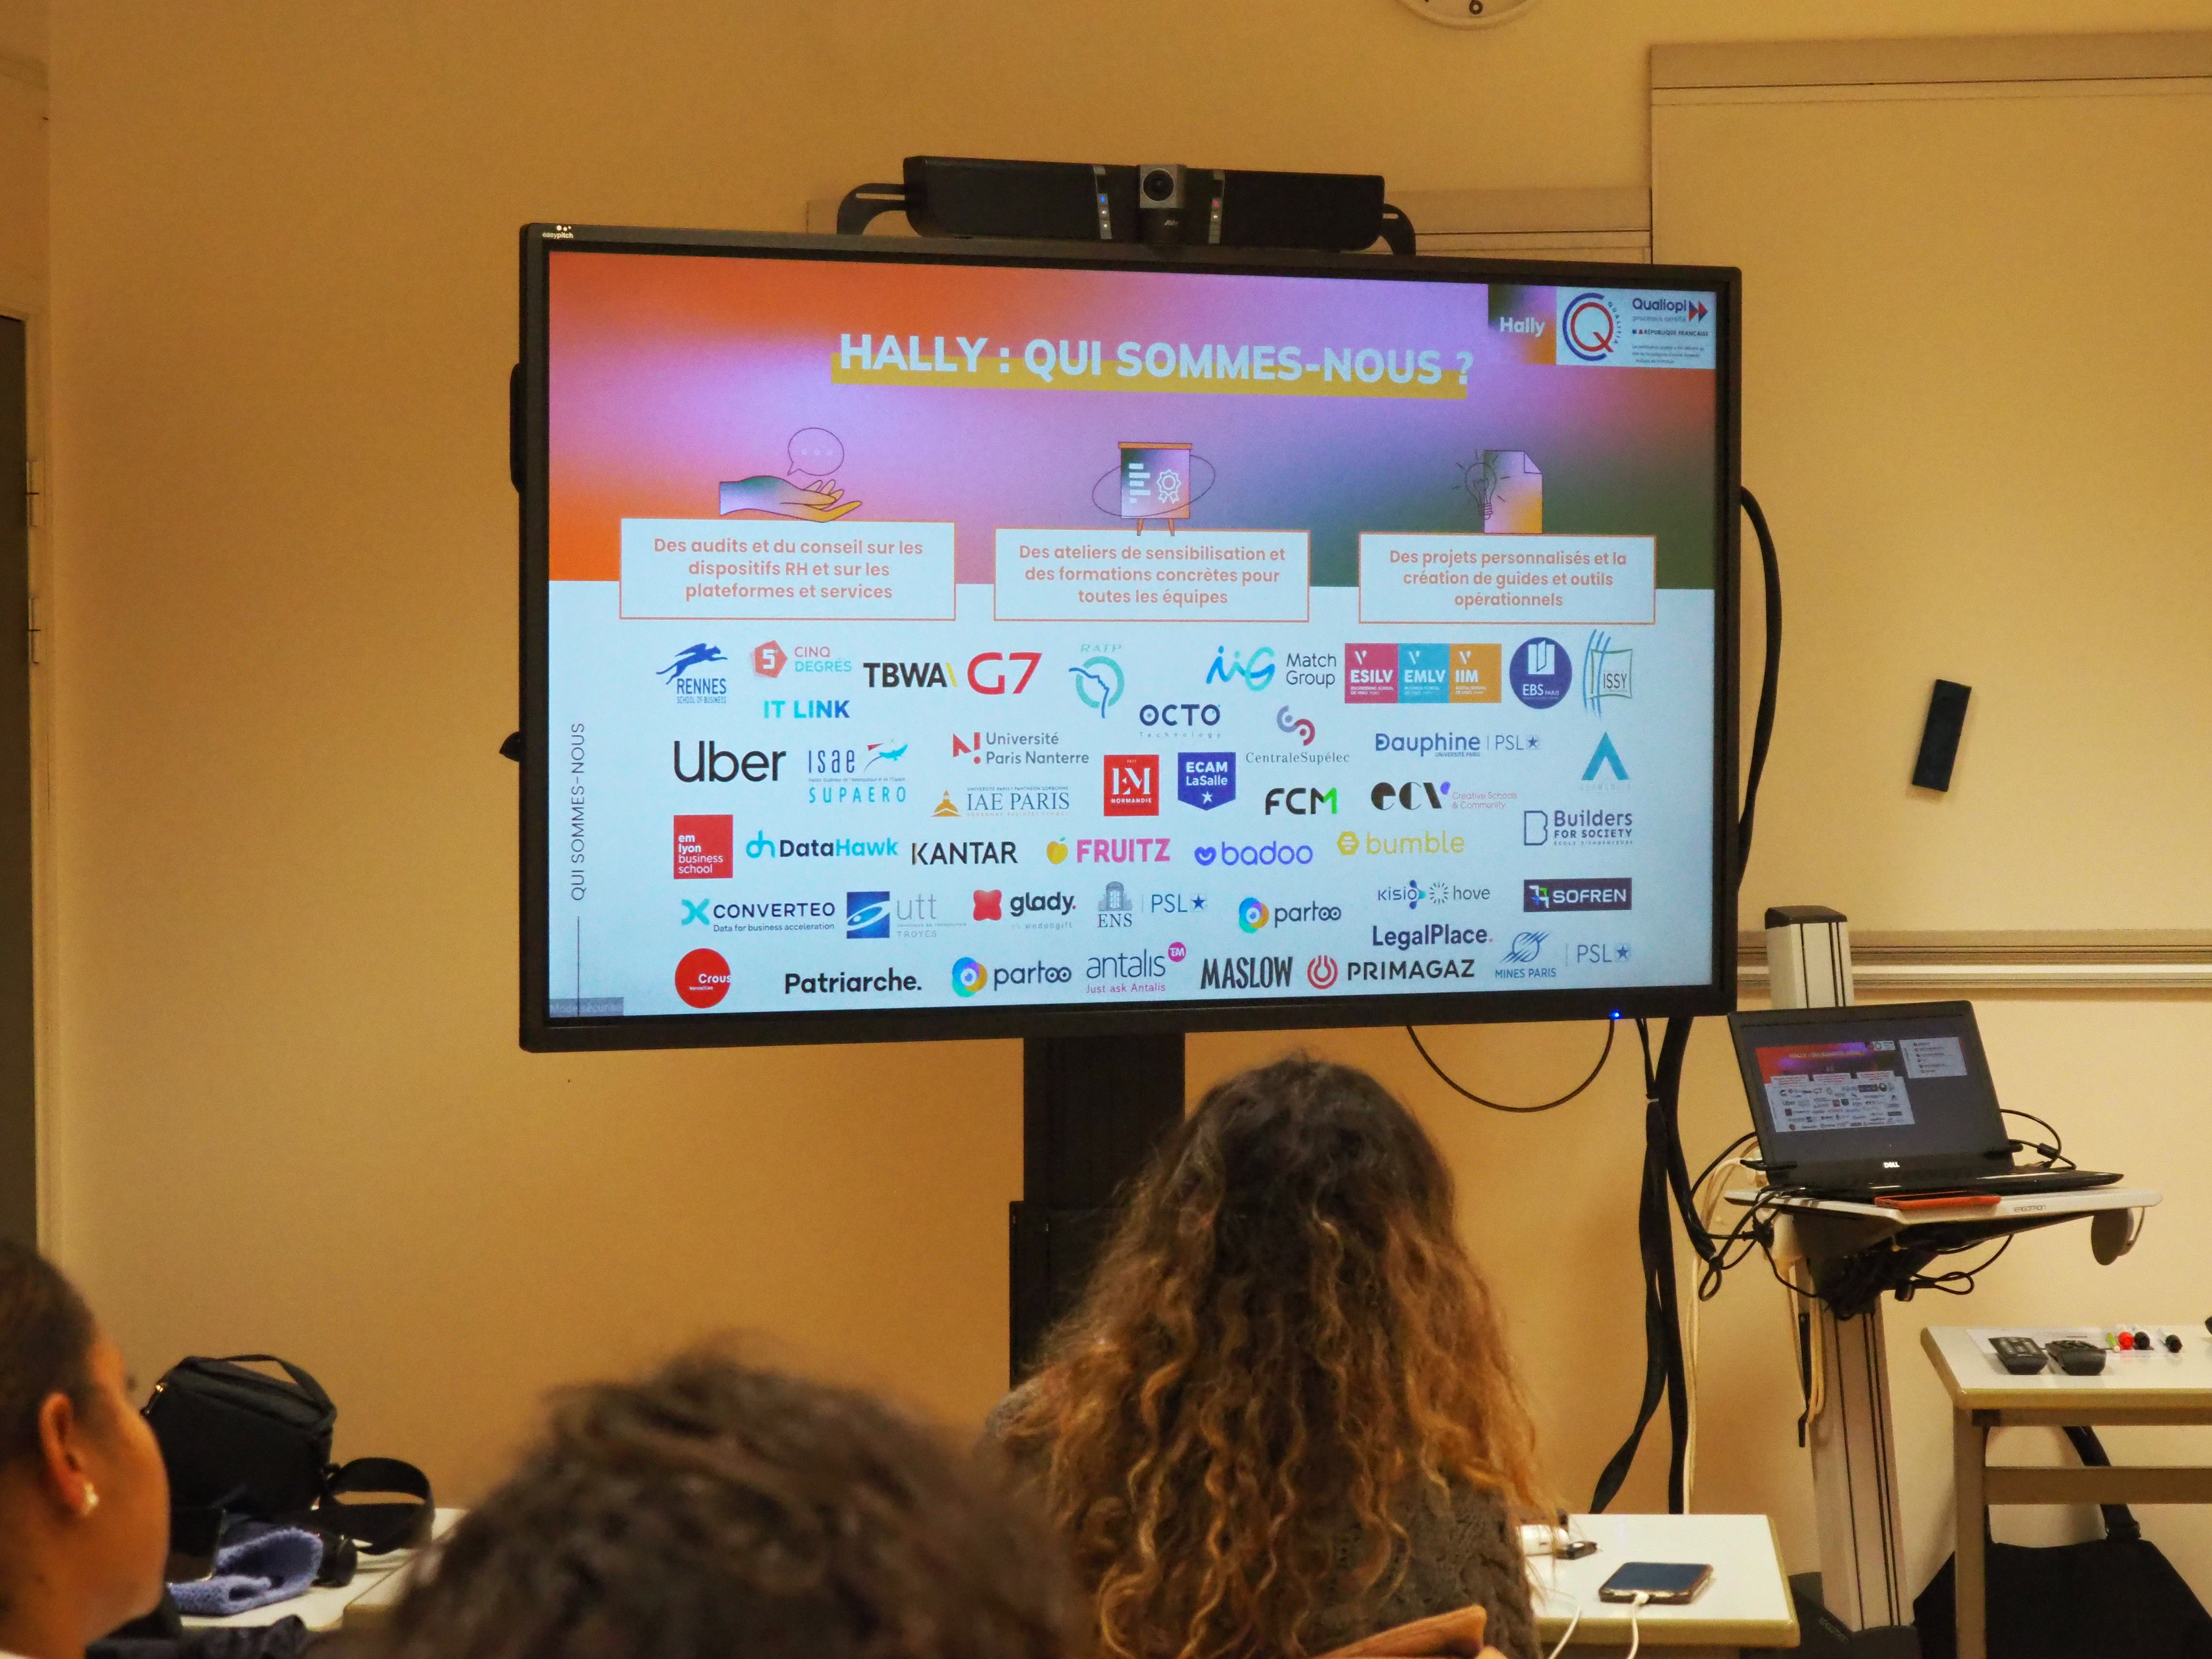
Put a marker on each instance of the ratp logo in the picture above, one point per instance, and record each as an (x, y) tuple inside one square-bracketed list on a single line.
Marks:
[(1588, 328)]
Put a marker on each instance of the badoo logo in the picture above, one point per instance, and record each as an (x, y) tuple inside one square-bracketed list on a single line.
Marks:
[(969, 976), (1273, 853)]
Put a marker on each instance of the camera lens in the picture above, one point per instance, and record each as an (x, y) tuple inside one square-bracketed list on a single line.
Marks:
[(1159, 184)]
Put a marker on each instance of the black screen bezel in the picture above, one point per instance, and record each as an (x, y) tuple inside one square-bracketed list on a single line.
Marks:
[(541, 1033)]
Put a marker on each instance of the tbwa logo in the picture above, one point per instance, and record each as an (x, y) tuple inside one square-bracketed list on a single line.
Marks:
[(1421, 673)]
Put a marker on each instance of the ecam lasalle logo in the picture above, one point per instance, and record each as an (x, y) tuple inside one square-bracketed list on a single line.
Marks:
[(702, 978)]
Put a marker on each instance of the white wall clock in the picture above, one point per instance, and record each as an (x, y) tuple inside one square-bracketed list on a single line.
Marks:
[(1471, 14)]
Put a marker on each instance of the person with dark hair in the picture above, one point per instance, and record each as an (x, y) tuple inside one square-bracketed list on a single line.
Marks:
[(84, 1500), (1282, 1417), (717, 1511)]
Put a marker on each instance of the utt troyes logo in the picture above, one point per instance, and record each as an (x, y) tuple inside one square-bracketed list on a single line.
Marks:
[(1422, 673), (1258, 672), (1132, 786)]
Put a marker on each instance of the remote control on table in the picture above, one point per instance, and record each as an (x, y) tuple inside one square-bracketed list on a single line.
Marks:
[(2078, 1359), (2019, 1355)]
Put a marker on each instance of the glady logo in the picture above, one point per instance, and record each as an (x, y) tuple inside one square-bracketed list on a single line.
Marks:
[(693, 688), (1258, 674), (1099, 683)]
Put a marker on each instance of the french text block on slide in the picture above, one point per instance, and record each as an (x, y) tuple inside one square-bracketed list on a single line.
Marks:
[(1072, 575), (852, 570), (1562, 578)]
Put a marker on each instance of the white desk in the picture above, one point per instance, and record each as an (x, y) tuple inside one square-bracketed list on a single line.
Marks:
[(2134, 1387), (325, 1609), (1746, 1604)]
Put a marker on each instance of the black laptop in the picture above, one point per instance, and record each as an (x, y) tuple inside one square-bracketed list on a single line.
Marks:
[(1888, 1100)]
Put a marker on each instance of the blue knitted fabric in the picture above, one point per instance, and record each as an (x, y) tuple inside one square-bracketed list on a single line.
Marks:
[(270, 1564)]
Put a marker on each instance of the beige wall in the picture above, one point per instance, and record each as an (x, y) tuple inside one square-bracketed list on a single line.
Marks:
[(287, 1110)]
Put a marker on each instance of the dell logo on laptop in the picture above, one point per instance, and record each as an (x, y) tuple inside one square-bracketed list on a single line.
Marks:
[(1889, 1164)]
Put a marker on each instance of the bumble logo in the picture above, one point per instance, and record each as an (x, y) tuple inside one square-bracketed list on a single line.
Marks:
[(1347, 843)]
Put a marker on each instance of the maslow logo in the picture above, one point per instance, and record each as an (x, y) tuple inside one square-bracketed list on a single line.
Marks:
[(1606, 755)]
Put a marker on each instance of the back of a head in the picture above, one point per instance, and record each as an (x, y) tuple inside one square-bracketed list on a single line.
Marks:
[(46, 1346), (716, 1511), (1283, 1339)]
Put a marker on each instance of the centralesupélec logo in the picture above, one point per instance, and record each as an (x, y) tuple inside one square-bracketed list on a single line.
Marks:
[(1588, 328), (702, 978)]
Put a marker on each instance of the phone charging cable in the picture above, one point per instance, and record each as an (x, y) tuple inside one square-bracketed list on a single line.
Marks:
[(1561, 1646), (1635, 1631)]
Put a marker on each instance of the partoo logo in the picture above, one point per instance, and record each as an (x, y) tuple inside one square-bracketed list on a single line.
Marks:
[(1252, 915), (1321, 973), (1406, 797), (702, 978), (1258, 674), (1304, 728), (969, 976)]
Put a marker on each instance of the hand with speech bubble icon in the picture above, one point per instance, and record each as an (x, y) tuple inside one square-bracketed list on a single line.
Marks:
[(808, 490)]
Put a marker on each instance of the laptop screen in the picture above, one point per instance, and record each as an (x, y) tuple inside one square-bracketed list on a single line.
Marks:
[(1870, 1085)]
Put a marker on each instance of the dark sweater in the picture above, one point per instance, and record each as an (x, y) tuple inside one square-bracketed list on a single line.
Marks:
[(1466, 1555)]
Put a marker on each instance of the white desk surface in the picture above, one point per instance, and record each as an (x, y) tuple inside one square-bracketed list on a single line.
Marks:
[(2086, 1202), (1746, 1603), (2153, 1382), (325, 1609)]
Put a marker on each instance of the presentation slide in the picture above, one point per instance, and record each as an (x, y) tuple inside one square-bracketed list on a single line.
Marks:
[(945, 635)]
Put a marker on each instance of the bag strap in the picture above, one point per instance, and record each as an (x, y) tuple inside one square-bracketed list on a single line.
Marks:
[(2119, 1520), (378, 1527), (306, 1384)]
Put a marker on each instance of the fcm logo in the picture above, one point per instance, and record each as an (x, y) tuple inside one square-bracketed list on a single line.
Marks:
[(1301, 802), (702, 978)]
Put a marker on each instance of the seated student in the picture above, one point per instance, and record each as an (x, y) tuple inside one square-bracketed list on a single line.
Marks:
[(714, 1511), (84, 1501), (1282, 1417)]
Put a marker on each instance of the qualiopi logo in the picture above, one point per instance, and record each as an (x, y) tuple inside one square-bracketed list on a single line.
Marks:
[(1588, 328)]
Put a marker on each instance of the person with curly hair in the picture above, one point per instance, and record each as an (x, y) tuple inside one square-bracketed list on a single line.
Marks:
[(1282, 1416), (714, 1511)]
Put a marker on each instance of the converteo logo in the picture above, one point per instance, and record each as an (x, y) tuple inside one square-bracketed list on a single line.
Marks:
[(702, 978)]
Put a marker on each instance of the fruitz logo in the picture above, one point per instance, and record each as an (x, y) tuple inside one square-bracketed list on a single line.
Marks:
[(1132, 786), (702, 978)]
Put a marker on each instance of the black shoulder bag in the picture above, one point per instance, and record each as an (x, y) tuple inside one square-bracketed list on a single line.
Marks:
[(242, 1444)]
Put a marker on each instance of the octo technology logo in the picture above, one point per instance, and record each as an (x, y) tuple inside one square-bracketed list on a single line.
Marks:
[(969, 976), (1252, 915), (702, 978), (1588, 328)]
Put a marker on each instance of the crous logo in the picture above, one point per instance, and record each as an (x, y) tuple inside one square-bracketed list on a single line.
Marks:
[(1100, 683), (969, 976), (1252, 915), (1258, 674), (690, 657), (1526, 947), (1304, 728)]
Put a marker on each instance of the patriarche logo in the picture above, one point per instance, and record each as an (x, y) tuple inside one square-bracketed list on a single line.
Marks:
[(1252, 915), (702, 977), (1596, 893)]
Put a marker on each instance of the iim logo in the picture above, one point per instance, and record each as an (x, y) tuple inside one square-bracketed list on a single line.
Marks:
[(1607, 756)]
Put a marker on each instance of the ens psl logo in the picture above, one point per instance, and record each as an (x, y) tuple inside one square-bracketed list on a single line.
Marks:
[(1132, 786)]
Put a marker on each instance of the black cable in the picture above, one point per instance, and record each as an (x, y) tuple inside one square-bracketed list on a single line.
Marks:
[(1769, 680), (1604, 1055)]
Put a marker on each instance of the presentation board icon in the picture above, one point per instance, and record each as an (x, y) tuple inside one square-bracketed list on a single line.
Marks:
[(1155, 482)]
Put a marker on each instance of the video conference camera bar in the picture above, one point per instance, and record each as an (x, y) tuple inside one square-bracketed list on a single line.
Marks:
[(1162, 203)]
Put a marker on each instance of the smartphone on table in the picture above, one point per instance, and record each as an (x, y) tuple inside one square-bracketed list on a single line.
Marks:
[(1661, 1582)]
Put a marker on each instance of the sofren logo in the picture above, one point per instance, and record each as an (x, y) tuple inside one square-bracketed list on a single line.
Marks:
[(702, 846), (702, 978), (712, 764), (1603, 893), (1132, 786)]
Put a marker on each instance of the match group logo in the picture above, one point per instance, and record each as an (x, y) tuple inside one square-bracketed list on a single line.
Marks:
[(1258, 673), (1132, 786), (702, 977), (703, 842)]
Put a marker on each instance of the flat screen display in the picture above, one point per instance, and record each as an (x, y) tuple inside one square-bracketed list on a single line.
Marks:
[(1860, 1085), (936, 639)]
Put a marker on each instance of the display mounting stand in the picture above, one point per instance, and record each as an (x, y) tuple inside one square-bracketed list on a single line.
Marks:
[(1092, 1110)]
